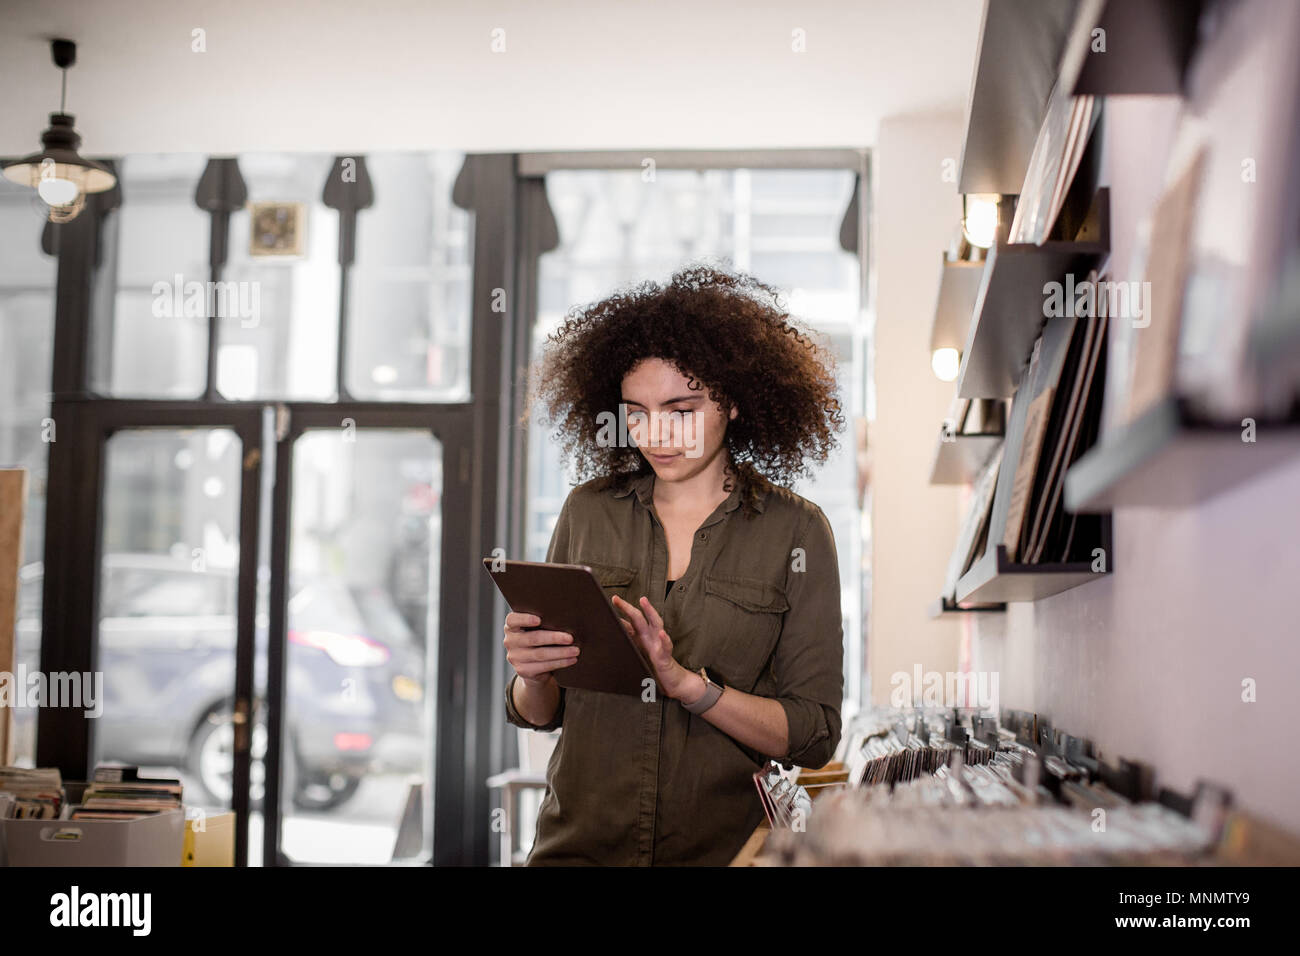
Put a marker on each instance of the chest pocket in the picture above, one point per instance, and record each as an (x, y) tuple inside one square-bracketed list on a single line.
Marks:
[(613, 578), (742, 619)]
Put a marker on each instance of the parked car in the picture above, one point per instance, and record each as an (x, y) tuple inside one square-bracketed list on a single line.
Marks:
[(354, 689)]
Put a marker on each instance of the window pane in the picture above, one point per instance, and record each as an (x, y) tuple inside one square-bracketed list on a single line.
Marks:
[(150, 337), (409, 303), (409, 299), (782, 226), (168, 607), (362, 620), (23, 265), (27, 279), (284, 343)]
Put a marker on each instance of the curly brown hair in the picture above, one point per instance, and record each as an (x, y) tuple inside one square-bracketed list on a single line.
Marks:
[(724, 330)]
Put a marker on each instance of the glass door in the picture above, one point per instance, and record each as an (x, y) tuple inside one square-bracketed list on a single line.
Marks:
[(355, 625), (167, 614), (364, 549), (341, 636), (177, 636)]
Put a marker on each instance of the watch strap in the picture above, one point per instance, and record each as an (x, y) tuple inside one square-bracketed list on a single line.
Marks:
[(712, 691)]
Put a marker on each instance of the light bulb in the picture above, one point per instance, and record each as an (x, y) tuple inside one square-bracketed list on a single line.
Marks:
[(945, 362), (58, 192), (62, 187), (981, 221)]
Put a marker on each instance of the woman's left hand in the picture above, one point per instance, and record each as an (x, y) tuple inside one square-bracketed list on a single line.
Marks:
[(647, 629)]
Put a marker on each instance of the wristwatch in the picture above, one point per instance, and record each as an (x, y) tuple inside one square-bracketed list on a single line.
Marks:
[(713, 688)]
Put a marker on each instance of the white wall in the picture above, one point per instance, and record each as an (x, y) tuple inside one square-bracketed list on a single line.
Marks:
[(914, 524), (480, 76), (1149, 662)]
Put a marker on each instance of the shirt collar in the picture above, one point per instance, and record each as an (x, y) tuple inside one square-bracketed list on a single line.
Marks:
[(644, 485)]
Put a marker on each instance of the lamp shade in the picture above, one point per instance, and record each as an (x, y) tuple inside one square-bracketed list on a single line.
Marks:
[(60, 162)]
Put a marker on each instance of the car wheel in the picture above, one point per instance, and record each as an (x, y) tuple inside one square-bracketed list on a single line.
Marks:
[(212, 759)]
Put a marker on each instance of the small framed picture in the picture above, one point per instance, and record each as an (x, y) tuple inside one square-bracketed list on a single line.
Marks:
[(277, 228)]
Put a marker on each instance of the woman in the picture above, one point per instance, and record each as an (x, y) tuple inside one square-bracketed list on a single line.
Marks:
[(728, 580)]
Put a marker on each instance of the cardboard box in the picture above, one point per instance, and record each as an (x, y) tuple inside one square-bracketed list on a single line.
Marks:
[(154, 840), (210, 839)]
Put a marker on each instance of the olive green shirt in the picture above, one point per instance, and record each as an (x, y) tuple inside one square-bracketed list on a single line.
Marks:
[(649, 783)]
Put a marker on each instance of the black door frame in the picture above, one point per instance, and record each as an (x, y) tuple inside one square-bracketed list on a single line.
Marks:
[(448, 425), (469, 724), (75, 578)]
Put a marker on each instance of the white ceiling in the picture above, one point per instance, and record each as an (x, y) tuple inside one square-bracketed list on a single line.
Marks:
[(342, 75)]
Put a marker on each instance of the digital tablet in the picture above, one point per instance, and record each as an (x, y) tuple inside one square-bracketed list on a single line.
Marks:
[(567, 597)]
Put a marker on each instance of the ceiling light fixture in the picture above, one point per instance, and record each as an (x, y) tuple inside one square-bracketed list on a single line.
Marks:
[(58, 172)]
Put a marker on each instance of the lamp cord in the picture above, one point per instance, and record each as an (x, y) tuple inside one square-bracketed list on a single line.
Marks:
[(63, 96)]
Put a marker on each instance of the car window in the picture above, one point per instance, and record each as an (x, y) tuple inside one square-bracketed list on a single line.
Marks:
[(325, 605), (143, 592)]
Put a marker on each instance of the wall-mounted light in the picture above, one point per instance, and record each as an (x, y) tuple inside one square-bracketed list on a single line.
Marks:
[(979, 220), (58, 172), (945, 363)]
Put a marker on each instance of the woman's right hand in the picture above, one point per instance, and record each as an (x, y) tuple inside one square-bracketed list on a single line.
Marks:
[(536, 653)]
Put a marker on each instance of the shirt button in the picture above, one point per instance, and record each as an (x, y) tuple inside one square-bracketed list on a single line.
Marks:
[(681, 587), (704, 536)]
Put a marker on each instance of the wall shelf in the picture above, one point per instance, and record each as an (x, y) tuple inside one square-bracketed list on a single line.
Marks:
[(959, 288), (1168, 458), (1148, 46), (943, 605), (993, 578), (958, 460), (1008, 314), (1021, 44)]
